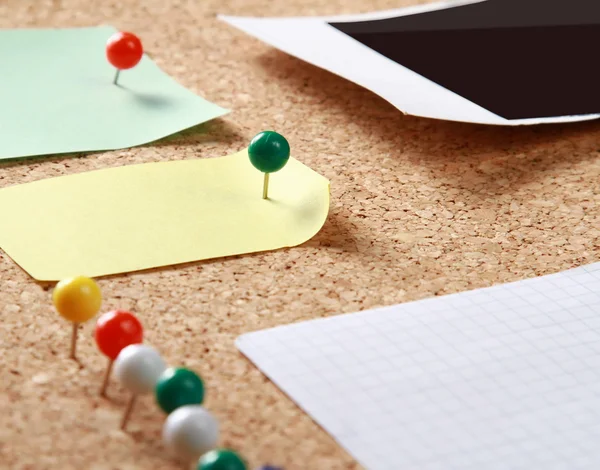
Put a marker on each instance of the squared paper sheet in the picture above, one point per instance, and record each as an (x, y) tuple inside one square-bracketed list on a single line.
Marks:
[(58, 97), (506, 377)]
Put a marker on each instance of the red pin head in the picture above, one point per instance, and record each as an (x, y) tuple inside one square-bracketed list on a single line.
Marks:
[(115, 331), (124, 51)]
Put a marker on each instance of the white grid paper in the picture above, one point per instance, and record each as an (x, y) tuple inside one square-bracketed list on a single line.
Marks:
[(506, 377)]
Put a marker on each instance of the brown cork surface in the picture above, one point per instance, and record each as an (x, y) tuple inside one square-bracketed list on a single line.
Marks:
[(418, 208)]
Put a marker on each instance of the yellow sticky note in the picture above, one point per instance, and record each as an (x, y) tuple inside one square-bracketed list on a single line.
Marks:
[(158, 214)]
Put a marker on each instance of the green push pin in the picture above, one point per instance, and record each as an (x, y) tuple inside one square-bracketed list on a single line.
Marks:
[(268, 152), (178, 387), (221, 459)]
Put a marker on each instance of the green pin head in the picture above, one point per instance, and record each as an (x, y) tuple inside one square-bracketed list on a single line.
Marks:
[(269, 152), (221, 459), (178, 387)]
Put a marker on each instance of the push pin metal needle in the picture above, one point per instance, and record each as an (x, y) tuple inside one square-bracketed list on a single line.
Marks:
[(114, 331), (138, 368), (78, 299)]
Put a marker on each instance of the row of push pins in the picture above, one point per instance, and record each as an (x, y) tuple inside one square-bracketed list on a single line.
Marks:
[(268, 151), (190, 432)]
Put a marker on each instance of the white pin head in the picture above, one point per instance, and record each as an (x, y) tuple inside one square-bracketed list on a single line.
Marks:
[(190, 431), (138, 368)]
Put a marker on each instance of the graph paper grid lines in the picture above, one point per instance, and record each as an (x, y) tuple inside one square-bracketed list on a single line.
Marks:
[(502, 378)]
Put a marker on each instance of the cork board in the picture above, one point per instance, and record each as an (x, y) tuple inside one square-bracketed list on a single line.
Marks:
[(418, 208)]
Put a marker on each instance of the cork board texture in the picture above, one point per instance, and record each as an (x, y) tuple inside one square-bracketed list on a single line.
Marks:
[(418, 208)]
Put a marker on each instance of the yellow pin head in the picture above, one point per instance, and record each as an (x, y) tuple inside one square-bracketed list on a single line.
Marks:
[(77, 299)]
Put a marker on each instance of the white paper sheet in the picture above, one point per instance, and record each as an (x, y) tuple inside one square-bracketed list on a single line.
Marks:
[(313, 40), (501, 378)]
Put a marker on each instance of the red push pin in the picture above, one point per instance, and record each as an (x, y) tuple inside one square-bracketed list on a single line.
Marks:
[(115, 331), (123, 51)]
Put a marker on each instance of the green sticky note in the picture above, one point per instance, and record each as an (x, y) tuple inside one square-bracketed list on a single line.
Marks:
[(58, 96)]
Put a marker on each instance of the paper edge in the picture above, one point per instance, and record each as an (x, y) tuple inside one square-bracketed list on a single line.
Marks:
[(296, 403), (594, 266), (320, 24), (367, 16)]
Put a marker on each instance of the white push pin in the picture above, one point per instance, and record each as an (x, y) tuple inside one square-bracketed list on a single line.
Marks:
[(138, 368), (190, 431)]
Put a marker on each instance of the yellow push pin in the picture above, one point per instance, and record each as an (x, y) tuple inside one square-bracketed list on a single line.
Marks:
[(77, 299)]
